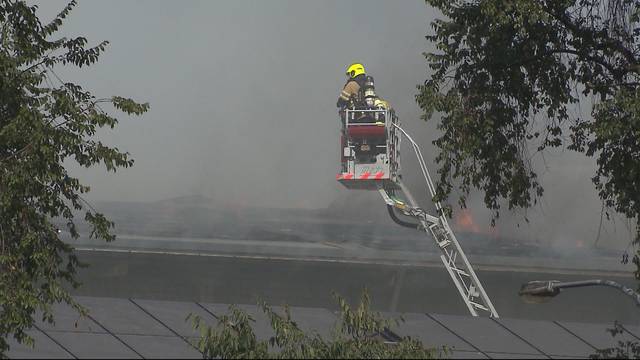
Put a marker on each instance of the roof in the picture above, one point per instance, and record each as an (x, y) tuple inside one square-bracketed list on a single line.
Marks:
[(136, 328)]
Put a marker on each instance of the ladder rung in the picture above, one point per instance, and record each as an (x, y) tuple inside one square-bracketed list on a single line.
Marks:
[(482, 307), (461, 272), (443, 244)]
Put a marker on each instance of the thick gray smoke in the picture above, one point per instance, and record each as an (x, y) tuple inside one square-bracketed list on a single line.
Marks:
[(243, 95), (242, 92)]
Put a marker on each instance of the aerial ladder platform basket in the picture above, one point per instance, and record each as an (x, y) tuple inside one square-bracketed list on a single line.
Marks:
[(370, 160)]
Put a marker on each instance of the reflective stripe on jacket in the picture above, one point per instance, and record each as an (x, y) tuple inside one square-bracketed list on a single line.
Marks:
[(351, 91)]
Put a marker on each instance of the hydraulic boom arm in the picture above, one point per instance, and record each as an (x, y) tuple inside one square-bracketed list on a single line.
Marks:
[(452, 255)]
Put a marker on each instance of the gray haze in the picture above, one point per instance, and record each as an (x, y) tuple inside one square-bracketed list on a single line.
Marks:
[(243, 96)]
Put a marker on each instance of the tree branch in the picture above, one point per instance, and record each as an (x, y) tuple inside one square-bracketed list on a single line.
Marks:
[(606, 43)]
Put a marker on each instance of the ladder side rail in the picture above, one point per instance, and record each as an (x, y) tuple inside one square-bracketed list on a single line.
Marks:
[(472, 273), (459, 277), (459, 286), (458, 282), (445, 223)]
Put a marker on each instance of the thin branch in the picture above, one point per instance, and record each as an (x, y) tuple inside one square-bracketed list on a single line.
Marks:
[(606, 43), (595, 244)]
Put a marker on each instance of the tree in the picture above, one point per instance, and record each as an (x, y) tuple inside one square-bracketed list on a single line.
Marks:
[(43, 123), (506, 75), (357, 336), (624, 349)]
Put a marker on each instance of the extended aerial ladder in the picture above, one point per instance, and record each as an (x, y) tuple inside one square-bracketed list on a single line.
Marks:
[(370, 160)]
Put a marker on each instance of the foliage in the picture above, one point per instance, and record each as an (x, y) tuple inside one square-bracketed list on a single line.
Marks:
[(510, 78), (45, 124), (625, 349), (357, 335)]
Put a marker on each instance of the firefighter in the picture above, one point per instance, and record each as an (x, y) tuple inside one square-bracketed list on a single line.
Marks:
[(350, 94)]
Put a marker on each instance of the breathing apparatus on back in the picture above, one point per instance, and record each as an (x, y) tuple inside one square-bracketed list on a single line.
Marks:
[(369, 92)]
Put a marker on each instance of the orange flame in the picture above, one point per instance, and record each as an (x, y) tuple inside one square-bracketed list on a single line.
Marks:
[(465, 221)]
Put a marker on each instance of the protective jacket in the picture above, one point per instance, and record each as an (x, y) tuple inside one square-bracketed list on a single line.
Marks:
[(351, 94)]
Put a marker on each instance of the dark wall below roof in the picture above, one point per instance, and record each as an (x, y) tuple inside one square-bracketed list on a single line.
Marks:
[(310, 283)]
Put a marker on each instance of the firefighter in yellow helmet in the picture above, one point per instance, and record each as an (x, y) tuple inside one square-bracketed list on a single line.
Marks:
[(349, 96)]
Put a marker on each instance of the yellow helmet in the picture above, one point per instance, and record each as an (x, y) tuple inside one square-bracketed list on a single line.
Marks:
[(355, 69)]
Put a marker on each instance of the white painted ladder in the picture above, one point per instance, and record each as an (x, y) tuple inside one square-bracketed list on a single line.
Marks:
[(453, 257)]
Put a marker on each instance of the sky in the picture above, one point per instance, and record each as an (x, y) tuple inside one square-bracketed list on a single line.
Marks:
[(243, 94)]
